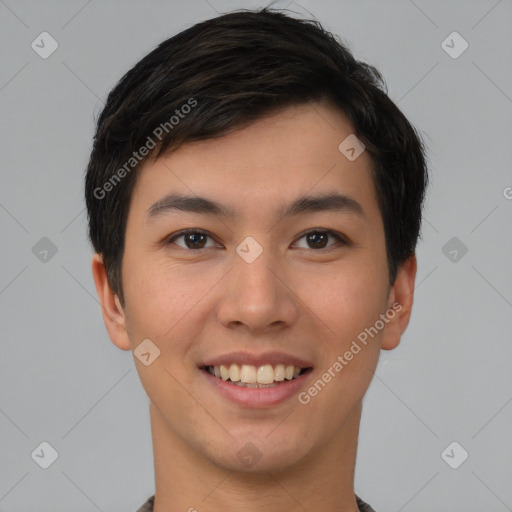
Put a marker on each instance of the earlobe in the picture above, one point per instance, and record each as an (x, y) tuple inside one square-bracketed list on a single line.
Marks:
[(113, 313), (400, 304)]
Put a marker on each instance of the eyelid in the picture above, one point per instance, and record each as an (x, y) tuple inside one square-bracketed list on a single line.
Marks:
[(187, 231), (340, 237)]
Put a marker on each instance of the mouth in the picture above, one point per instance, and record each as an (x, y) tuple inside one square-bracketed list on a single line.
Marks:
[(250, 376)]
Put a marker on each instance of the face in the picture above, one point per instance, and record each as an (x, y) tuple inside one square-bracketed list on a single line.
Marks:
[(260, 285)]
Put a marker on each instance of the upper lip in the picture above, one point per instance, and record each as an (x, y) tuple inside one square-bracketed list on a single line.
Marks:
[(272, 358)]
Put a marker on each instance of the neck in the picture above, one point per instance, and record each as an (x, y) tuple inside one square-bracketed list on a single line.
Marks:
[(187, 480)]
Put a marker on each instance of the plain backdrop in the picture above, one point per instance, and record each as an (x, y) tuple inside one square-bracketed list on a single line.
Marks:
[(64, 383)]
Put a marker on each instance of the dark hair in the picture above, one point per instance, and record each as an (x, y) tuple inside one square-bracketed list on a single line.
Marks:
[(223, 74)]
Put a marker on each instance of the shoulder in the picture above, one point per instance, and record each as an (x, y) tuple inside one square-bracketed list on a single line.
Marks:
[(363, 506), (148, 505)]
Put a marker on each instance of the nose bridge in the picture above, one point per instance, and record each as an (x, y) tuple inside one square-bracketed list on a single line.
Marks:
[(256, 294), (256, 273)]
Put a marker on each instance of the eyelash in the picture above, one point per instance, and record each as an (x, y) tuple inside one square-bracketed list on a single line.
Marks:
[(338, 236)]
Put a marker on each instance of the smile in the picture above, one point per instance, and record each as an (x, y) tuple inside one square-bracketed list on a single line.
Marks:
[(255, 394), (250, 376)]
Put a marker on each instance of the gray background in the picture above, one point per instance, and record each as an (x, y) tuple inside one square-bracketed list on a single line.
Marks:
[(61, 379)]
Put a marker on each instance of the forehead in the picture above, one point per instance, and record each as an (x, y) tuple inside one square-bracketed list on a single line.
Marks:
[(274, 160)]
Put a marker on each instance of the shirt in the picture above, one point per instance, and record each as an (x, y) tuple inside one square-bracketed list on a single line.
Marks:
[(148, 506)]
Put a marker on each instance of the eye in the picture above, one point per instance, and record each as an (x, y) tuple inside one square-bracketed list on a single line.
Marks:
[(194, 239), (317, 239)]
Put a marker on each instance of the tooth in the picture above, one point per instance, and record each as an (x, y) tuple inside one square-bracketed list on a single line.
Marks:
[(234, 373), (248, 374), (279, 373), (224, 372), (265, 374)]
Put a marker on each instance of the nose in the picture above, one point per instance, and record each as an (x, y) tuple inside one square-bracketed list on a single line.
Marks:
[(258, 297)]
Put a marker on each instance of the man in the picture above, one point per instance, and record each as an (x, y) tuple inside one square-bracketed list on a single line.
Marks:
[(254, 203)]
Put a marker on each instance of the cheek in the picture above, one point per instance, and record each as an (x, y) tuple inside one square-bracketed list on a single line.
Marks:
[(347, 299), (160, 307), (160, 295), (345, 303)]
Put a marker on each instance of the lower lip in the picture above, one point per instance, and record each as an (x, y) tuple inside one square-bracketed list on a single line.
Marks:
[(258, 397)]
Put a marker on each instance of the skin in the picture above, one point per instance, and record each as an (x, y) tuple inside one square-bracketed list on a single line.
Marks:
[(295, 297)]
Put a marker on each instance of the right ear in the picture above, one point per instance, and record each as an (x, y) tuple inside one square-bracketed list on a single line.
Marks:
[(113, 313)]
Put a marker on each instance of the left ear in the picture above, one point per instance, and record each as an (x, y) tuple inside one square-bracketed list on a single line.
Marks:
[(400, 302)]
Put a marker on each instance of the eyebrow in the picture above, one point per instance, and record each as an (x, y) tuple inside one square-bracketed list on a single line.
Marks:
[(334, 202)]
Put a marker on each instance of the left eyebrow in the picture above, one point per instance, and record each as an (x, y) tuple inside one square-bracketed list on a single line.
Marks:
[(328, 202), (305, 204)]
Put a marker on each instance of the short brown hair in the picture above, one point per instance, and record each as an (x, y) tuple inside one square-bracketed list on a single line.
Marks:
[(224, 73)]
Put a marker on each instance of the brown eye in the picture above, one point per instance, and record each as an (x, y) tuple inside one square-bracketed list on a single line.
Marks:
[(193, 239), (318, 239)]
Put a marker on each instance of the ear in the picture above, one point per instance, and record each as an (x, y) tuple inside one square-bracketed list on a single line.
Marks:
[(400, 302), (113, 313)]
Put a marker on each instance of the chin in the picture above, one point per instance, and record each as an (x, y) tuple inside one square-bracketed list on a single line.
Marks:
[(260, 453)]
